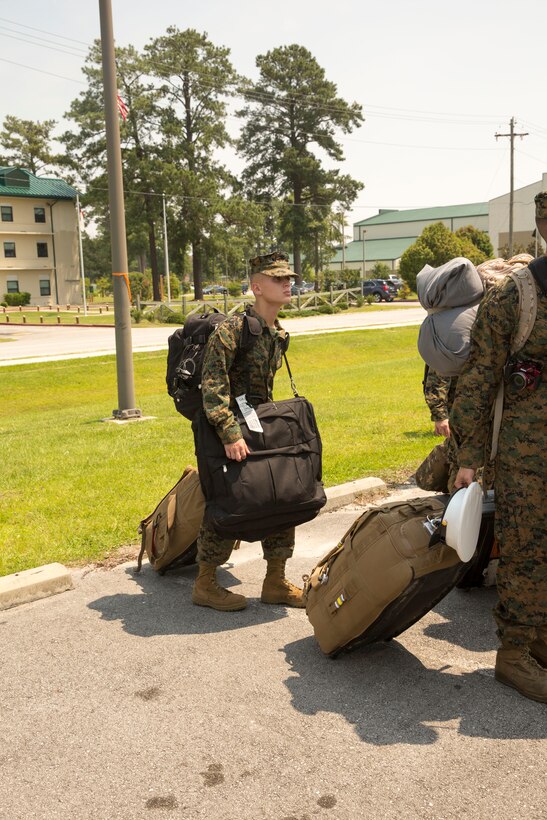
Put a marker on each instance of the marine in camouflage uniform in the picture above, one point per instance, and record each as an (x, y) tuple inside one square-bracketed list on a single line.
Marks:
[(438, 470), (229, 372), (520, 473)]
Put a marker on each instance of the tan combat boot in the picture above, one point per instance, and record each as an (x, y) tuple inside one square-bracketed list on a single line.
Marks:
[(515, 667), (538, 649), (277, 590), (207, 592)]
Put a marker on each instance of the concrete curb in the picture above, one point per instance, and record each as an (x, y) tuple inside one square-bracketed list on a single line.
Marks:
[(32, 584), (344, 494)]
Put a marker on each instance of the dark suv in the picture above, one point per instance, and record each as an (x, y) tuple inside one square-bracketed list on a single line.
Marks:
[(378, 289)]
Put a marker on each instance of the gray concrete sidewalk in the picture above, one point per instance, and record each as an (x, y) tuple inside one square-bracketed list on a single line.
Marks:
[(121, 699)]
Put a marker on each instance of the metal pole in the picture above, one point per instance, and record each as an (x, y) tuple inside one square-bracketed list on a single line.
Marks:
[(364, 256), (166, 251), (122, 318), (343, 241), (512, 136), (82, 271), (512, 189)]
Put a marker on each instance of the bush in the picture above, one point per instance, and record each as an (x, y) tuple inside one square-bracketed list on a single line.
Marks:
[(175, 318), (369, 299), (137, 315), (16, 299), (327, 309)]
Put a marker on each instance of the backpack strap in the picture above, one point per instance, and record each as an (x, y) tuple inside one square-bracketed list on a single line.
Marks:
[(528, 305)]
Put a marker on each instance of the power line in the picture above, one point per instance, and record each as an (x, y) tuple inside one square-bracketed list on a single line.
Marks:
[(42, 71), (42, 31)]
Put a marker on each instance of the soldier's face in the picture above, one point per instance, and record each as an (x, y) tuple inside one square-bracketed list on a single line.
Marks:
[(542, 227), (276, 290)]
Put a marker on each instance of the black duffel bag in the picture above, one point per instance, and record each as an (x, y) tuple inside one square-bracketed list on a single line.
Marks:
[(277, 486)]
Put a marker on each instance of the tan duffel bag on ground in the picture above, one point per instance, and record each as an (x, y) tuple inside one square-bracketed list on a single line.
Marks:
[(382, 577), (169, 533)]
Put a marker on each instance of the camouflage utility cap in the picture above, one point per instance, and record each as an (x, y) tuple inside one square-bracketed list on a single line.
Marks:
[(541, 205), (271, 264)]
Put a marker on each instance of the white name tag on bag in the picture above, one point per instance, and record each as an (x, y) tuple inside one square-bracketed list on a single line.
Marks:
[(249, 414)]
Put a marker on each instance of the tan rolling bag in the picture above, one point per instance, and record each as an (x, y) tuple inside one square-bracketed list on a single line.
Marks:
[(382, 577), (169, 533)]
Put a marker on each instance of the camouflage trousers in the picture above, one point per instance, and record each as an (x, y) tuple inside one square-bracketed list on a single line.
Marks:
[(521, 531), (438, 470), (212, 549)]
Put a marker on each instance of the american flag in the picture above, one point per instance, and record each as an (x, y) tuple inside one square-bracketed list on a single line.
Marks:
[(122, 108)]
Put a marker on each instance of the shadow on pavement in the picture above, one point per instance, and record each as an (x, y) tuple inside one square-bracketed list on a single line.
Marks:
[(390, 696), (462, 608), (169, 608)]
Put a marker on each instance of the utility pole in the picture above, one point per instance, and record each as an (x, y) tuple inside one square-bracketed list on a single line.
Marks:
[(122, 318), (364, 256), (512, 136), (166, 252)]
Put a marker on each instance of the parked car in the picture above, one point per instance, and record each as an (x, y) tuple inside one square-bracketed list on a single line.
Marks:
[(378, 289), (211, 289), (305, 287)]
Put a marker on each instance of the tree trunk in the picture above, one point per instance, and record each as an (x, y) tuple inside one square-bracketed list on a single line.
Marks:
[(316, 260), (197, 269)]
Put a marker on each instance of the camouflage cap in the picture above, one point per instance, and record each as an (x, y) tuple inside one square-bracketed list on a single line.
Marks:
[(271, 264), (541, 205)]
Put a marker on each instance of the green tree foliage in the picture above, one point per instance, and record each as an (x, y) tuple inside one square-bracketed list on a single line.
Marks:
[(195, 79), (290, 110), (143, 165), (436, 245), (380, 270), (28, 144), (97, 258), (480, 239)]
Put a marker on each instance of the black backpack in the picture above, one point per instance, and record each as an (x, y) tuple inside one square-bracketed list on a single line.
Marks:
[(186, 352)]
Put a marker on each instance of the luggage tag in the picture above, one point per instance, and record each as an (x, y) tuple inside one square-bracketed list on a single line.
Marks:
[(249, 414)]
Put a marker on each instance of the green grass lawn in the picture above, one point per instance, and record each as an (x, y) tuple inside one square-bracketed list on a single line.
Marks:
[(74, 488)]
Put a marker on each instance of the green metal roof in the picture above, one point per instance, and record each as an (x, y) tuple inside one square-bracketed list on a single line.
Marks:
[(428, 214), (19, 182), (377, 250)]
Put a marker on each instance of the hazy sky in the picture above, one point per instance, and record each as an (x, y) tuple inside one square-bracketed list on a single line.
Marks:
[(436, 80)]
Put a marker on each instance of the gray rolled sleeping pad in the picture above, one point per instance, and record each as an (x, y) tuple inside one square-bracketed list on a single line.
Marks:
[(450, 294)]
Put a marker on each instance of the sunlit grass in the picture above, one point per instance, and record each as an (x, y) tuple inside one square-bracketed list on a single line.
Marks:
[(73, 488)]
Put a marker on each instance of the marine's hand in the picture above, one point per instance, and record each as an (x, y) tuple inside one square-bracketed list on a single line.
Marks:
[(238, 450), (442, 428), (464, 478)]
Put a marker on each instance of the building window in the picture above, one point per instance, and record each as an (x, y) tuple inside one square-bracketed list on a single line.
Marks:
[(39, 214), (41, 248), (7, 213), (12, 286), (9, 250), (45, 287)]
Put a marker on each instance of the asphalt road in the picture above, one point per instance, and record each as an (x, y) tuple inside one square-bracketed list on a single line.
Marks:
[(20, 344), (120, 699)]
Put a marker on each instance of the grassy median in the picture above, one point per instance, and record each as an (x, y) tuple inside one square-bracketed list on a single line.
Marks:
[(73, 488)]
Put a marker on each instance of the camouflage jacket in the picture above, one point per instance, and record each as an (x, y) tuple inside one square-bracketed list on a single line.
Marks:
[(439, 394), (229, 372), (523, 435)]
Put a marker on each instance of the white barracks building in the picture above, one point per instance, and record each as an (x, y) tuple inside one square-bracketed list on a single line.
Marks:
[(38, 238)]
